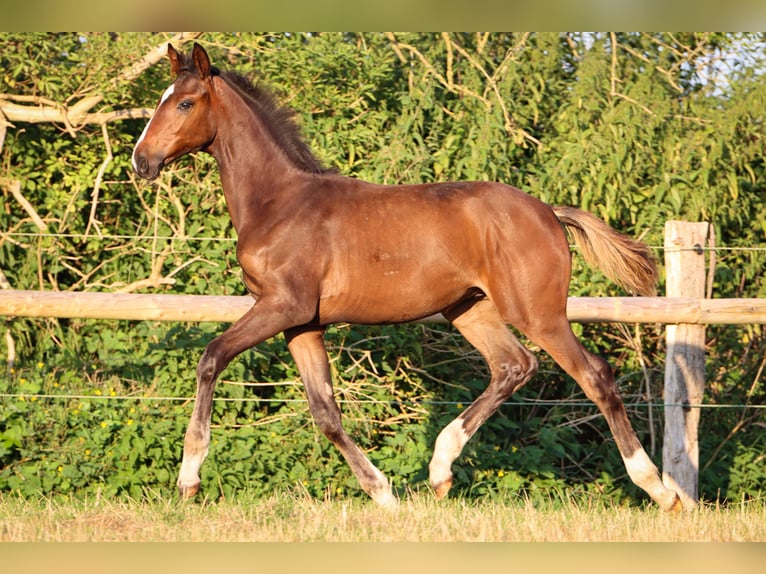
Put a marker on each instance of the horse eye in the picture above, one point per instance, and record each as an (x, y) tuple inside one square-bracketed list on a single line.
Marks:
[(185, 105)]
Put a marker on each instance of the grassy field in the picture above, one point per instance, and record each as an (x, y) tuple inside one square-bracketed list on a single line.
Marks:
[(296, 518)]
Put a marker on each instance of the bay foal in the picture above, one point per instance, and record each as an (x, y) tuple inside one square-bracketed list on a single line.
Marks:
[(318, 248)]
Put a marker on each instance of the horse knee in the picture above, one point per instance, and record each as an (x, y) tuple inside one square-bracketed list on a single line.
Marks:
[(328, 422), (209, 365), (207, 368), (601, 367), (513, 375), (530, 366), (328, 426), (602, 387)]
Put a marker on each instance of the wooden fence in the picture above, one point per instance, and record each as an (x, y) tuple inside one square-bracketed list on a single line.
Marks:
[(686, 311), (228, 308)]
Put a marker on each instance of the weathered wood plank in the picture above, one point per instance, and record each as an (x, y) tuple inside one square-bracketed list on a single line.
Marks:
[(228, 308)]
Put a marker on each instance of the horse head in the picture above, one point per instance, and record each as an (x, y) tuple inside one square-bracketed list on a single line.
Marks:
[(182, 122)]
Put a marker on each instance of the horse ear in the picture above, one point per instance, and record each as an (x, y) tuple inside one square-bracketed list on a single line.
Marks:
[(201, 61), (175, 60)]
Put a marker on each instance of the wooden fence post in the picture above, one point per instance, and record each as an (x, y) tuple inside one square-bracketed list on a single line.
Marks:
[(685, 361)]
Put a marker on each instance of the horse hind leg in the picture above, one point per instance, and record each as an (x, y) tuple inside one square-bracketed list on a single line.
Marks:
[(595, 377), (511, 366), (308, 350)]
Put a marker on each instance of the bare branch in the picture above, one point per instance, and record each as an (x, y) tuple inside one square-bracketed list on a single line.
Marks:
[(510, 124), (4, 125), (135, 70), (14, 186), (97, 184), (36, 109)]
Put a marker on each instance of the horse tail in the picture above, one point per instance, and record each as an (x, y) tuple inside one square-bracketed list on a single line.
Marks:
[(627, 262)]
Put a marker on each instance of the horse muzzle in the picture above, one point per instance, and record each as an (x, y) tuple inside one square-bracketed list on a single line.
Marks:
[(144, 167)]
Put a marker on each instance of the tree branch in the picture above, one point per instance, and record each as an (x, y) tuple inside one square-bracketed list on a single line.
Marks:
[(36, 109), (14, 186), (97, 185)]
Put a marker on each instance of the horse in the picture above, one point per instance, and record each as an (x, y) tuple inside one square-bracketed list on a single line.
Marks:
[(317, 248)]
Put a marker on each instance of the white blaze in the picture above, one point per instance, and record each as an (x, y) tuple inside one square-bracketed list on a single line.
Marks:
[(165, 96)]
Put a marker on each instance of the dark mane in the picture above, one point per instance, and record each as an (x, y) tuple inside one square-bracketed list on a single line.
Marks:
[(278, 119)]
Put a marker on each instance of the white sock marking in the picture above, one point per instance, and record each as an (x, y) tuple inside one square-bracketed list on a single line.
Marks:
[(449, 445), (640, 468), (190, 465)]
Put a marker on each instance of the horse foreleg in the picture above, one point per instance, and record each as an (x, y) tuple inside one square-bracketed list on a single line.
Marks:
[(308, 351), (262, 320), (511, 366)]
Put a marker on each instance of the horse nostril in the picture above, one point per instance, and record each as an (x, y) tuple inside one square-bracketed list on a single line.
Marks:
[(145, 168), (140, 165)]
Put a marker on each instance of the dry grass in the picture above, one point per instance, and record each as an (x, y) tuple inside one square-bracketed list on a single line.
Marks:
[(419, 518)]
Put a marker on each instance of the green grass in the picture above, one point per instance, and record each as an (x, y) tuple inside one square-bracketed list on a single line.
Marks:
[(294, 517)]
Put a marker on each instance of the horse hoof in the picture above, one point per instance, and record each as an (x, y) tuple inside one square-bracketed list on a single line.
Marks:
[(188, 491), (441, 489), (677, 505), (387, 501)]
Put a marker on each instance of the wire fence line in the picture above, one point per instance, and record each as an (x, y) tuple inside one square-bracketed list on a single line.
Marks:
[(513, 403)]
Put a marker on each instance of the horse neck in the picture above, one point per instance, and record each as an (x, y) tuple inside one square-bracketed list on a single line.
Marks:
[(252, 166)]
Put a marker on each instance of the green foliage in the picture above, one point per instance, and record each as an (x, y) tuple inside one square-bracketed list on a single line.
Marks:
[(624, 125)]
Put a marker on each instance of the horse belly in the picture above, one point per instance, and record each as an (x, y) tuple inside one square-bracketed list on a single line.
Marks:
[(390, 294)]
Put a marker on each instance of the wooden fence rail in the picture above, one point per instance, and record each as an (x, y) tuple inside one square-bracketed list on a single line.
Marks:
[(229, 308)]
